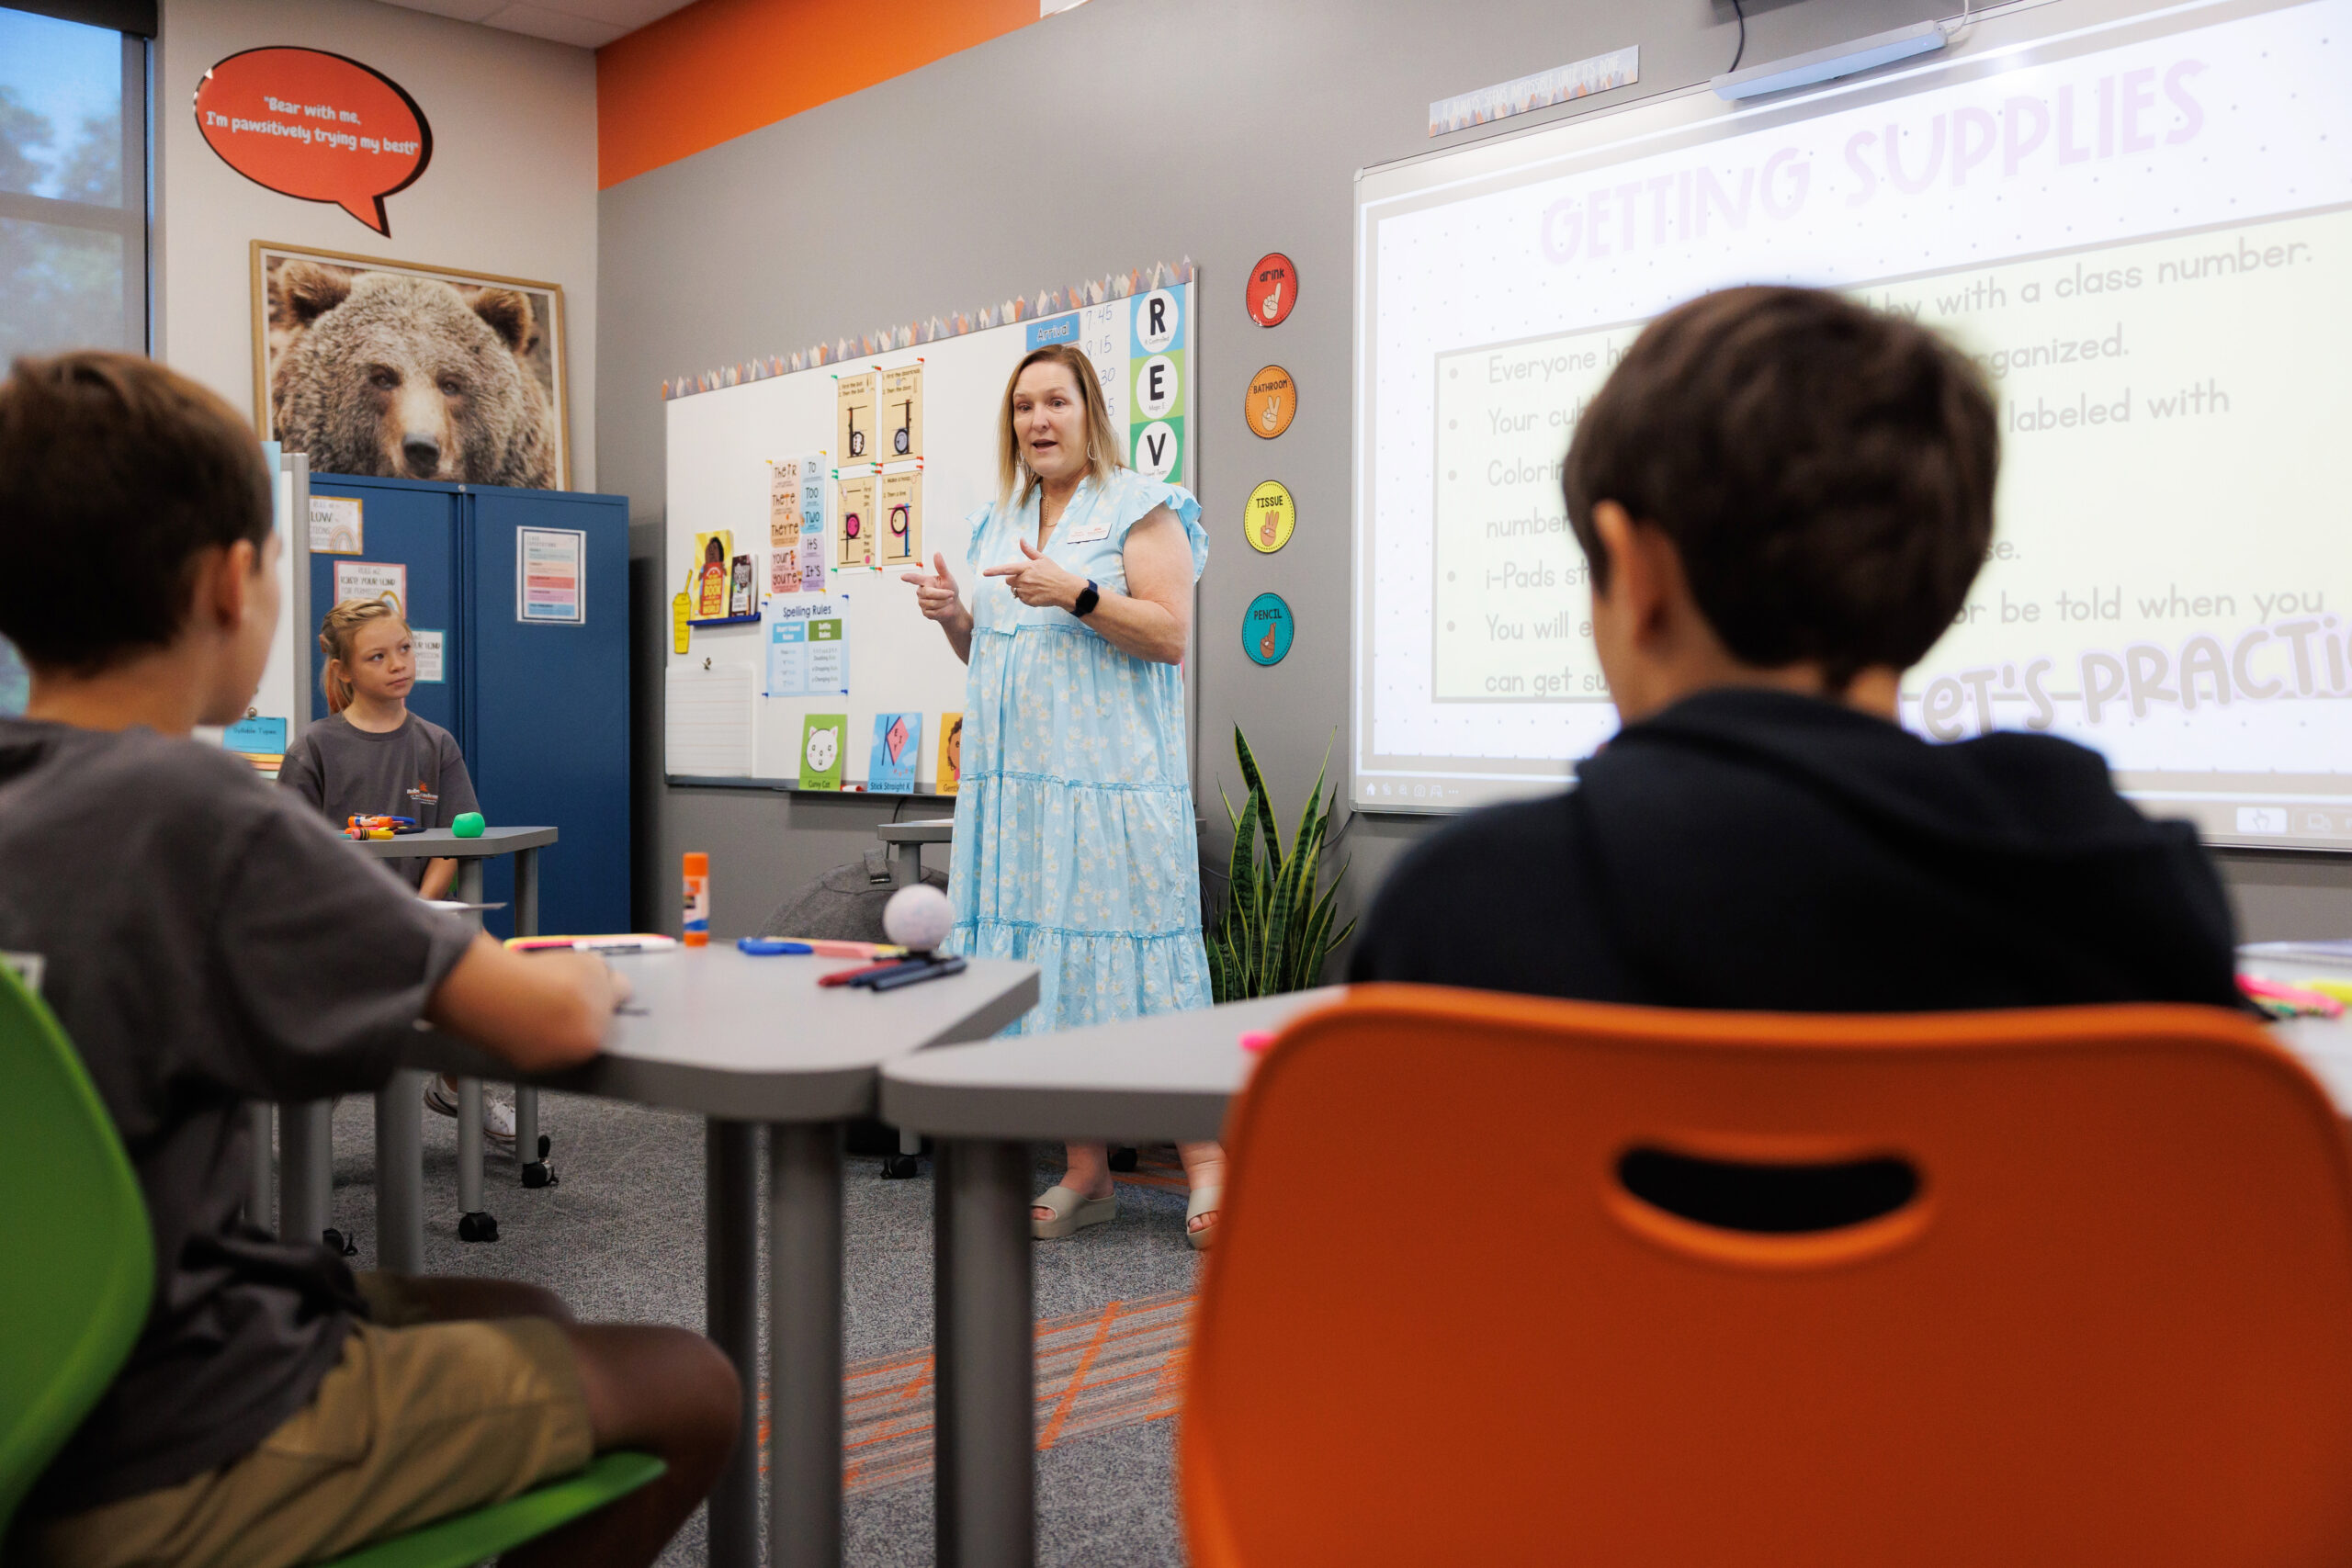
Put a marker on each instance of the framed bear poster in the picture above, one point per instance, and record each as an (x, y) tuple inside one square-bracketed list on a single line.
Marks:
[(400, 372)]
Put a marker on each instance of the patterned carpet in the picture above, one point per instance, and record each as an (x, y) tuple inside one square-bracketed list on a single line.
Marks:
[(621, 1240)]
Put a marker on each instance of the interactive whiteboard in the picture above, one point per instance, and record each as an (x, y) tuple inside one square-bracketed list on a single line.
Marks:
[(743, 695), (2139, 224)]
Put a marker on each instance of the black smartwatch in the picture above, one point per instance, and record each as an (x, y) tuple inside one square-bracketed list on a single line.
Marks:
[(1088, 597)]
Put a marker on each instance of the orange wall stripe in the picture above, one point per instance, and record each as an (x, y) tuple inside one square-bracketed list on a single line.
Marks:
[(720, 68)]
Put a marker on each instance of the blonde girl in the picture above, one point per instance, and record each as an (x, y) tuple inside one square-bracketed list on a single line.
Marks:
[(370, 756)]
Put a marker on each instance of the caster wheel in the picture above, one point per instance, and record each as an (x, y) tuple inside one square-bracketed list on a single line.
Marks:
[(546, 1145), (477, 1226), (536, 1174), (337, 1243), (898, 1167), (1123, 1158)]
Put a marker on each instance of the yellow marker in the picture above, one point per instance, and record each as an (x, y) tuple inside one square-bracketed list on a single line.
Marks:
[(2340, 989)]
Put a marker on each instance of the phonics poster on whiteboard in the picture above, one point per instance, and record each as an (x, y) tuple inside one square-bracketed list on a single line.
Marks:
[(2139, 227)]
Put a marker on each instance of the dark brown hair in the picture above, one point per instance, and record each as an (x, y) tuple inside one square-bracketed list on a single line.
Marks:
[(116, 474), (1825, 472)]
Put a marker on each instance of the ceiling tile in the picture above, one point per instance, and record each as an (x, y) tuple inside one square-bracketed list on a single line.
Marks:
[(563, 27), (463, 10), (629, 13)]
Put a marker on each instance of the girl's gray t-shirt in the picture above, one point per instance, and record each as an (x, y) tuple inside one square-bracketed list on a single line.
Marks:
[(414, 770)]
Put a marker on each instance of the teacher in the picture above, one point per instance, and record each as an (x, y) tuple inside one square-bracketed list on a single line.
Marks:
[(1074, 841)]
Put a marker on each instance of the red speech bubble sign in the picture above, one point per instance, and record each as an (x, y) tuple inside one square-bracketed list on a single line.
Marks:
[(306, 123)]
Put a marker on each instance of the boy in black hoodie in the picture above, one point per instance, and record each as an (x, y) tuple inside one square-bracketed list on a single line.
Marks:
[(1784, 497)]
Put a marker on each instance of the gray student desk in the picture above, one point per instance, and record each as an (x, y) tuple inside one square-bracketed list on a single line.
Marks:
[(2323, 1044), (906, 841), (742, 1040), (307, 1158), (307, 1188), (1169, 1077)]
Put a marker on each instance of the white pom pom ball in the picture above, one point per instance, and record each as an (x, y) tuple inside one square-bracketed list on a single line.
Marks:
[(918, 916)]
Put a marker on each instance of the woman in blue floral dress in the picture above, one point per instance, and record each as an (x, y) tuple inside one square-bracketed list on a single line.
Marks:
[(1074, 847)]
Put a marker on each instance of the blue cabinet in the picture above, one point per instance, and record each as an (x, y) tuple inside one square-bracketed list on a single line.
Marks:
[(534, 666)]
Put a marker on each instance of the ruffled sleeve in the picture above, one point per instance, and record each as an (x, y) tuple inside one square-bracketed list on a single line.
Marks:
[(1134, 498), (978, 521)]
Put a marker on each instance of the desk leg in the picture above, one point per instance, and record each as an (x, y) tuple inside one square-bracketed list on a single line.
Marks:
[(471, 1152), (261, 1180), (469, 1145), (731, 1309), (400, 1174), (805, 1345), (986, 1466), (306, 1198), (526, 1098)]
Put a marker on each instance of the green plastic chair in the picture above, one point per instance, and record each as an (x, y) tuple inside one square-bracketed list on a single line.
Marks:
[(82, 1269), (81, 1264)]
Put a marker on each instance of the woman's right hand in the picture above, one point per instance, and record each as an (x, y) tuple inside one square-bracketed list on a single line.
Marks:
[(936, 596), (936, 592)]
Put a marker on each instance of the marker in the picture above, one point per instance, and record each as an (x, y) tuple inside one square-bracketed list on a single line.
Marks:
[(915, 971), (860, 976), (648, 943), (825, 948), (2297, 999), (764, 946)]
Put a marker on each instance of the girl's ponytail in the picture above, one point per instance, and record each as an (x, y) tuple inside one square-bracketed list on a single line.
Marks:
[(335, 633)]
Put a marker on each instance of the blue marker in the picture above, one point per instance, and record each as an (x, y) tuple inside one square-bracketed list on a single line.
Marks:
[(763, 947)]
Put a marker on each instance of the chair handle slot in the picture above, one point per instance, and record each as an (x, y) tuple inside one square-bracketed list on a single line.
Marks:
[(1776, 1198), (1782, 1212)]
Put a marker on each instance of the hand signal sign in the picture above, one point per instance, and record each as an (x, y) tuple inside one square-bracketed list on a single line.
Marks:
[(1274, 401), (1272, 289)]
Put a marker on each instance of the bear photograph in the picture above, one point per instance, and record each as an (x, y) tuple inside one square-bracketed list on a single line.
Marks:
[(397, 371)]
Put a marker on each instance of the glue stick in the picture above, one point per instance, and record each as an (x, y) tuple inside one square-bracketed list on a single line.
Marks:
[(698, 899)]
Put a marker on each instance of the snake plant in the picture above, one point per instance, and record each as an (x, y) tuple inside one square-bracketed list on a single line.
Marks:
[(1276, 933)]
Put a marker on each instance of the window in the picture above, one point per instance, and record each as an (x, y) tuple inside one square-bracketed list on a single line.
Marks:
[(73, 191), (73, 179)]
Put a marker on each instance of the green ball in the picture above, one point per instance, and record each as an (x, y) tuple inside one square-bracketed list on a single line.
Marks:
[(468, 825)]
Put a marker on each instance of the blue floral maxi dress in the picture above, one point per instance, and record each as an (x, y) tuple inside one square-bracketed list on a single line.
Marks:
[(1074, 846)]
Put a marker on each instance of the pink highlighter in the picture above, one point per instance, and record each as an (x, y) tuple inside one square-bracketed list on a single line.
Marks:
[(1257, 1039), (2276, 996)]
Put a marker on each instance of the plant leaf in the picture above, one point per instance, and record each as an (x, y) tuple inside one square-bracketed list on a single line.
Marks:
[(1263, 802), (1241, 871), (1282, 896), (1315, 797)]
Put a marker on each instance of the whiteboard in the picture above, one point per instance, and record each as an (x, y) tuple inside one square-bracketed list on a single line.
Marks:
[(721, 447), (2137, 222)]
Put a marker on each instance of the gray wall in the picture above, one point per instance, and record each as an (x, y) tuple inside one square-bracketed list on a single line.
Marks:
[(1119, 134)]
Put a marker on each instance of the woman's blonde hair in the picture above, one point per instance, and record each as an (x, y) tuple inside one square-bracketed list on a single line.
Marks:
[(335, 636), (1103, 458)]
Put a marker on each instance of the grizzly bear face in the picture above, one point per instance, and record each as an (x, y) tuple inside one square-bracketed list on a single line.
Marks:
[(409, 378)]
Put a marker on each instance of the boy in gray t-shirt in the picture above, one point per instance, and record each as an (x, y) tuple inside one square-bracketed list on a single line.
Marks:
[(207, 941)]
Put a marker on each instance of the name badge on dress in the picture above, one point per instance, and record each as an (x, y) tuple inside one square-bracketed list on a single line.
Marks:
[(1093, 531)]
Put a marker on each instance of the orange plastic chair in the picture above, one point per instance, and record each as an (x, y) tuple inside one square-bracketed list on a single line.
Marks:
[(2064, 1287)]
